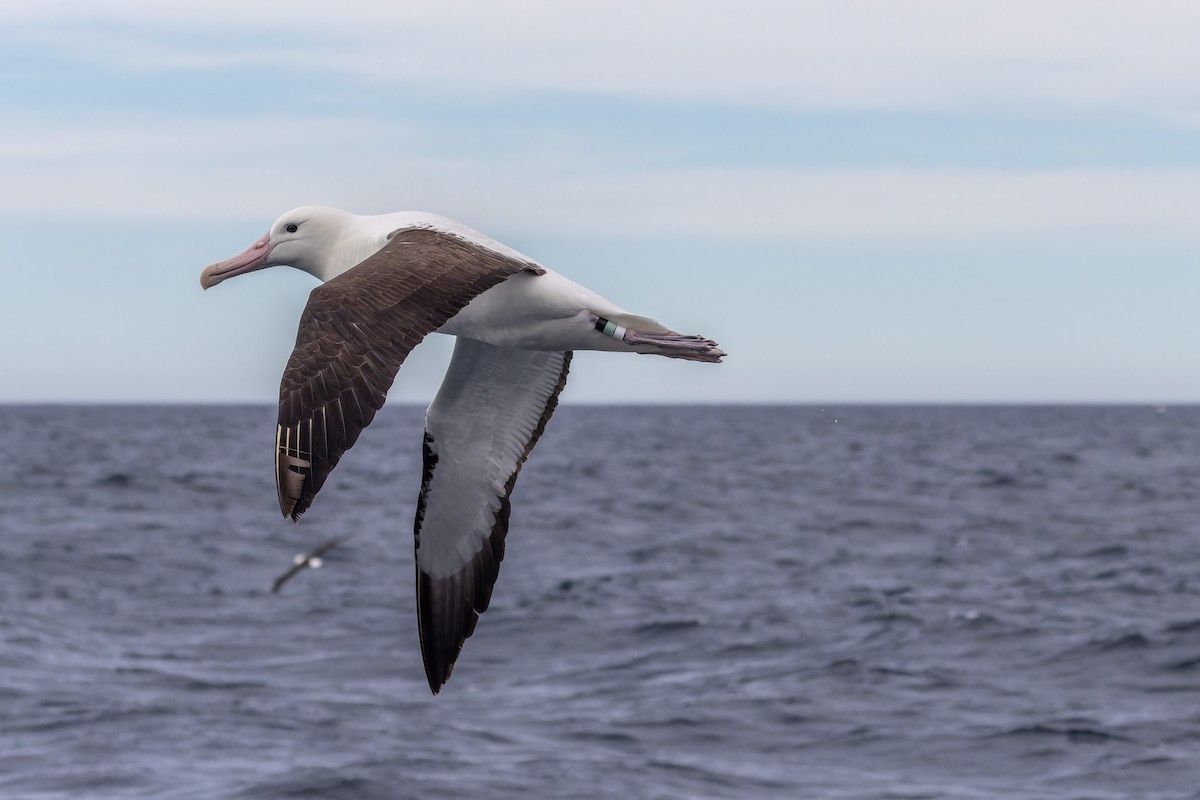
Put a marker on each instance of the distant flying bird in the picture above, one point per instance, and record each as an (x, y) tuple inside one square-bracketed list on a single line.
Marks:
[(388, 281), (309, 560)]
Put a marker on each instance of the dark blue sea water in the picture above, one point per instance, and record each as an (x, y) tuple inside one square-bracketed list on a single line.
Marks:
[(940, 602)]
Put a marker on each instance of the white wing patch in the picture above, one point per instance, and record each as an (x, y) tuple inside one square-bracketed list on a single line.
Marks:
[(480, 423), (487, 416)]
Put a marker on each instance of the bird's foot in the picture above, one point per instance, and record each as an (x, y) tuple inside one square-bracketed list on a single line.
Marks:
[(665, 343), (676, 345)]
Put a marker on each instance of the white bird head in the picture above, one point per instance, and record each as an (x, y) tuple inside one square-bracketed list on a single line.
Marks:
[(301, 238)]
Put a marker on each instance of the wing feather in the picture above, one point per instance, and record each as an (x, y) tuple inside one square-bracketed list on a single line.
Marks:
[(464, 504), (354, 334)]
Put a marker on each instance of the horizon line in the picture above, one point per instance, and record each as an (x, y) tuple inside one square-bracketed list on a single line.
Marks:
[(1108, 403)]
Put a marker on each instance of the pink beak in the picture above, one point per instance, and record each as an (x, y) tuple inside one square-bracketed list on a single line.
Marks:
[(254, 258)]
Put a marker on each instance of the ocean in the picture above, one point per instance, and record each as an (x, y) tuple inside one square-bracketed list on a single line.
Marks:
[(696, 602)]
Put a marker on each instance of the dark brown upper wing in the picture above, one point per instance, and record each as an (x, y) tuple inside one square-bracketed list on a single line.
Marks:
[(354, 334)]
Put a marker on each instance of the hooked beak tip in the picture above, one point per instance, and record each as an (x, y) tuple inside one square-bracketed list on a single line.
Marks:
[(254, 258)]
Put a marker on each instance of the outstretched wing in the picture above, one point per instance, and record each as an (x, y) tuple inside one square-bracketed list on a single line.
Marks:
[(304, 561), (492, 406), (354, 334)]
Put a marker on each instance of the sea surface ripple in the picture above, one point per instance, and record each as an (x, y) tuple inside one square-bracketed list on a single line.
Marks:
[(696, 602)]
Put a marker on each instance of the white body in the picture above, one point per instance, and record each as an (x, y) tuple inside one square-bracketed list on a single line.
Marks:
[(533, 312)]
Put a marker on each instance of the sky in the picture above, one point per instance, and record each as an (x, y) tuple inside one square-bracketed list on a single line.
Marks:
[(919, 201)]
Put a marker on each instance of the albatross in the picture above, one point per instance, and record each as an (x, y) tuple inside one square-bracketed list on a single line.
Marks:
[(387, 281), (310, 560)]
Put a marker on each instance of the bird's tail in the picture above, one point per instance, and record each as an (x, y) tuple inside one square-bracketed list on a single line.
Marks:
[(651, 336)]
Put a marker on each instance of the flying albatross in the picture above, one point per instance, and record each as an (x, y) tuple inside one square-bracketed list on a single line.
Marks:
[(310, 560), (387, 282)]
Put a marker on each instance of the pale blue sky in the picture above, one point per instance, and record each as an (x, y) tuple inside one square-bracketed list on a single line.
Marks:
[(861, 201)]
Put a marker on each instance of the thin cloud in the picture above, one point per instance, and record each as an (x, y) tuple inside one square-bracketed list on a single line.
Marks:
[(242, 169), (210, 138), (849, 53)]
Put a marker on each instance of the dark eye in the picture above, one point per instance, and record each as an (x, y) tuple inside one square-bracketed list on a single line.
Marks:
[(291, 228)]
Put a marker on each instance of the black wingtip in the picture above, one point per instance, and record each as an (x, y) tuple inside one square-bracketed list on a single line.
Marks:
[(437, 670), (445, 618)]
